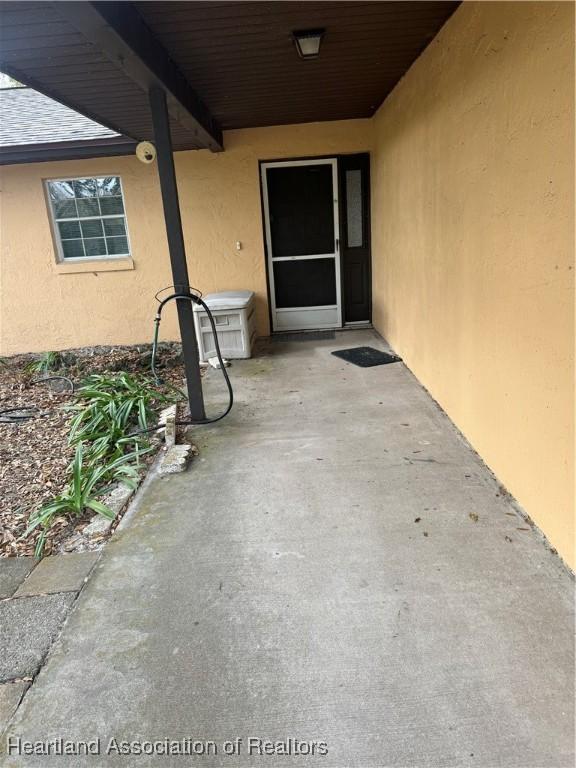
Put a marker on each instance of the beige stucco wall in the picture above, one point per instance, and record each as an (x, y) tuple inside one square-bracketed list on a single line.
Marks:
[(43, 308), (473, 241)]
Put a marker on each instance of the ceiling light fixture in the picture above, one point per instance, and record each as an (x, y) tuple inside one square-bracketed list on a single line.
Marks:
[(307, 42)]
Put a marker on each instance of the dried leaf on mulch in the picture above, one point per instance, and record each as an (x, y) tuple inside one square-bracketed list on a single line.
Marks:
[(35, 454)]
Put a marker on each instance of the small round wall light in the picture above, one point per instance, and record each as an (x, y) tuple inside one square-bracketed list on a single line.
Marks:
[(307, 42)]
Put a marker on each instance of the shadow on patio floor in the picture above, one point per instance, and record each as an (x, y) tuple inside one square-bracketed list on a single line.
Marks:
[(336, 566)]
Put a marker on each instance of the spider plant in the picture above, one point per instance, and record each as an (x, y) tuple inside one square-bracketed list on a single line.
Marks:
[(107, 409), (48, 361), (110, 405), (86, 484)]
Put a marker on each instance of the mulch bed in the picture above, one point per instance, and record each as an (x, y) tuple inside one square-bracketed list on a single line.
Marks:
[(34, 454)]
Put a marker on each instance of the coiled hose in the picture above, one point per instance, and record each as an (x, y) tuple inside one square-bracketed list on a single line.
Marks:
[(196, 299)]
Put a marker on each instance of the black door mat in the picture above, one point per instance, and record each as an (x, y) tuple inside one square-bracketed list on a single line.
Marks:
[(304, 336), (366, 357)]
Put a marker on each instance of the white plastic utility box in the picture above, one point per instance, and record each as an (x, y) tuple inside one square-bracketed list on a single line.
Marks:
[(233, 313)]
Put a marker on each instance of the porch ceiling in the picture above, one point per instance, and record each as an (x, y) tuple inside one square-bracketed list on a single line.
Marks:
[(226, 64), (241, 59)]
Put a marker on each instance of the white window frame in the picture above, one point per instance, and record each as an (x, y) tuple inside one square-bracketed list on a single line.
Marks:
[(61, 259)]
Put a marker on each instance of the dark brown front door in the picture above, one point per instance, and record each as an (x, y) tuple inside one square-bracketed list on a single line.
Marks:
[(354, 182)]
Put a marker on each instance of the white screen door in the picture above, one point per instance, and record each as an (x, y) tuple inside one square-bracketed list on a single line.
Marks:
[(301, 224)]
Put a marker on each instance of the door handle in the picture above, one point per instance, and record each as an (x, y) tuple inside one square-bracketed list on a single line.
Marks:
[(337, 244)]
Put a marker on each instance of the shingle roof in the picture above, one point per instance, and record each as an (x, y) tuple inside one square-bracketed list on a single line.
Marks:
[(29, 117)]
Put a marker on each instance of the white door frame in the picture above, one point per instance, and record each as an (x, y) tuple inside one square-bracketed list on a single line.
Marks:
[(303, 318)]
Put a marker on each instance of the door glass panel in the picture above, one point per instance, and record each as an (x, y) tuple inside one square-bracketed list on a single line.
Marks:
[(301, 204), (354, 208), (306, 283)]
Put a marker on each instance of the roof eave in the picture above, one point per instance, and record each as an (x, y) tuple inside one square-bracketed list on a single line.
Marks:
[(66, 150)]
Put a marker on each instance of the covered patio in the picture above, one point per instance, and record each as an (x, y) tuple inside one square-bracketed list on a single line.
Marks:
[(355, 559), (337, 566), (136, 68)]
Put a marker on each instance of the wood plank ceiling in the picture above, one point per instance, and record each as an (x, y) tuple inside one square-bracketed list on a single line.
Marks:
[(238, 56), (40, 48)]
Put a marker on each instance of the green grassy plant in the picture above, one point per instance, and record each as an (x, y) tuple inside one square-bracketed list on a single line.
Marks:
[(107, 410), (48, 361)]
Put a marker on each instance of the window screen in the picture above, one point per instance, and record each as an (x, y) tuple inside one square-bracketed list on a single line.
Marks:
[(89, 218)]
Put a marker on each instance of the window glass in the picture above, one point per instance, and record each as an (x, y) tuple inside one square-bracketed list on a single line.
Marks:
[(87, 208), (92, 228), (114, 226), (111, 205), (109, 186), (65, 209), (61, 190), (69, 229), (89, 217), (95, 246), (72, 249), (84, 188), (117, 245), (354, 208)]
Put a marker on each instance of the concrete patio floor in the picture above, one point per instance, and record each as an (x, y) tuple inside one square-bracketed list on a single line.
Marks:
[(337, 565)]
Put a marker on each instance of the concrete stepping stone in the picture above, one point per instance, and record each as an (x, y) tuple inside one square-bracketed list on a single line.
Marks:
[(58, 573), (175, 459), (13, 571), (27, 629), (10, 697)]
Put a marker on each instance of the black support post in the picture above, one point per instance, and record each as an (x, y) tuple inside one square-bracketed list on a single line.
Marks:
[(171, 205)]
